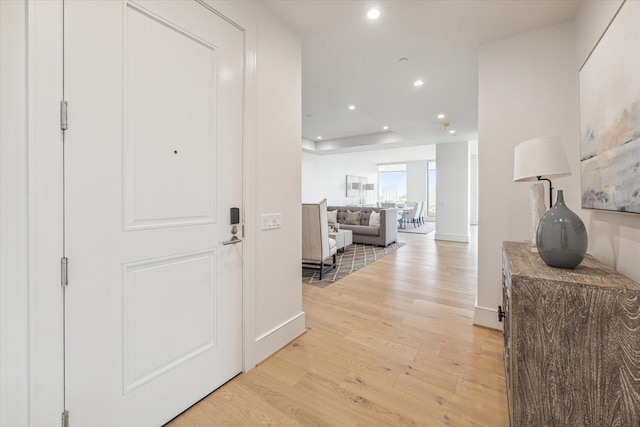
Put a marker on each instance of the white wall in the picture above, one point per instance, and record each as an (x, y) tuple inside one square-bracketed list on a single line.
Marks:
[(417, 181), (528, 87), (31, 354), (14, 294), (452, 192), (473, 189), (278, 306), (324, 176)]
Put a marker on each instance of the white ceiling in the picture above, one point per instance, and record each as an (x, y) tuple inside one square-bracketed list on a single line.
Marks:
[(349, 59)]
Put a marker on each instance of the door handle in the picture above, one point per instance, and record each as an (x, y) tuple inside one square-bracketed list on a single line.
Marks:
[(234, 238), (501, 314), (233, 241)]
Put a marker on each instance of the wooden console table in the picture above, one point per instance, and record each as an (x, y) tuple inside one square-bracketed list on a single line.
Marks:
[(571, 342)]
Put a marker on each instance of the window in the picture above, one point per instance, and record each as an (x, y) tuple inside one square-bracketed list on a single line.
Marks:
[(431, 189), (392, 183)]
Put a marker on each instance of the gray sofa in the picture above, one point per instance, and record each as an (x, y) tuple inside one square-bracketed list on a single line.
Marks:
[(383, 235)]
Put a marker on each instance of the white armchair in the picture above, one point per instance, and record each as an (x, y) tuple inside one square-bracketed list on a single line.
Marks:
[(317, 246)]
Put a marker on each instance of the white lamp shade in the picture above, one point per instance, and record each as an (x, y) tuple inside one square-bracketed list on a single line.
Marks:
[(540, 157), (369, 187), (355, 186)]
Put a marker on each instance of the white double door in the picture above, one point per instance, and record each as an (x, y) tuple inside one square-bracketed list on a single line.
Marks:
[(153, 164)]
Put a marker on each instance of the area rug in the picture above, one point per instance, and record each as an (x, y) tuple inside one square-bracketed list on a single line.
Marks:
[(425, 228), (353, 259)]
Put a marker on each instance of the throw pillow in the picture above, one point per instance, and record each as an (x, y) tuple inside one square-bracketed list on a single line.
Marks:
[(374, 219), (353, 218), (332, 217)]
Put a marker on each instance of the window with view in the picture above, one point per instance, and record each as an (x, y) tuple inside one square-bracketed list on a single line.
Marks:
[(431, 189), (392, 183)]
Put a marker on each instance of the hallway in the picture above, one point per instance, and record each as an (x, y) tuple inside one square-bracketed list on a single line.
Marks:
[(392, 344)]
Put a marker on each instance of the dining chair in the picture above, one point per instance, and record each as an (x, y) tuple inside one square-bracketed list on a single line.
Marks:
[(423, 213), (415, 220)]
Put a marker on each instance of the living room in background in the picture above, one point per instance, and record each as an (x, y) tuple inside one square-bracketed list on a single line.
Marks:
[(392, 183)]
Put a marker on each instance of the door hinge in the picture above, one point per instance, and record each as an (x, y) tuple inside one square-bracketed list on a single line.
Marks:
[(65, 419), (243, 231), (64, 262), (63, 115)]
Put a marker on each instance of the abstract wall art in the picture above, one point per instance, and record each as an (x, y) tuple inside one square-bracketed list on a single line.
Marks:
[(610, 117), (355, 185)]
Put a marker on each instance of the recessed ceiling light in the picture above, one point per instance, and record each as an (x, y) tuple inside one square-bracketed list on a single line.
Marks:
[(452, 131), (373, 13), (385, 127), (418, 83), (441, 116), (352, 107), (319, 137)]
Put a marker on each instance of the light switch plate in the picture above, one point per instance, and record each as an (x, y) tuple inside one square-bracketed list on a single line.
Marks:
[(271, 221)]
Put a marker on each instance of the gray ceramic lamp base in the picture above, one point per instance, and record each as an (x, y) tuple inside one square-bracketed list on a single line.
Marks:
[(561, 236)]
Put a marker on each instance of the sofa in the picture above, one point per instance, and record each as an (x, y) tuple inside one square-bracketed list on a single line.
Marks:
[(381, 235)]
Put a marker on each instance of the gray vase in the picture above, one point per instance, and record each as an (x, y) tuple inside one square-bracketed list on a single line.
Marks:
[(561, 236)]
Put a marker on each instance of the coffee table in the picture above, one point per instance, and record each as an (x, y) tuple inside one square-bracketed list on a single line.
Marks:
[(343, 238)]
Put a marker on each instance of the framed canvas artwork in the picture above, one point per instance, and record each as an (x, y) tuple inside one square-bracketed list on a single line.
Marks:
[(355, 185), (610, 117)]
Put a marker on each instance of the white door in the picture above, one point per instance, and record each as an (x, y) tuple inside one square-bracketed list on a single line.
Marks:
[(153, 155)]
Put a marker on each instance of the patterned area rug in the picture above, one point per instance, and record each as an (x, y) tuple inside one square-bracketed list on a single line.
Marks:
[(353, 259), (425, 228)]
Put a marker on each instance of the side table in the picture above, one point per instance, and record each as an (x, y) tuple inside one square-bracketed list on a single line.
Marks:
[(343, 238)]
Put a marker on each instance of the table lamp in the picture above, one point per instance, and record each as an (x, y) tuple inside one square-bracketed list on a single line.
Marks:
[(539, 159)]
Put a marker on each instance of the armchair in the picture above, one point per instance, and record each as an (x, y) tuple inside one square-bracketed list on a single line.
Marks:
[(317, 246)]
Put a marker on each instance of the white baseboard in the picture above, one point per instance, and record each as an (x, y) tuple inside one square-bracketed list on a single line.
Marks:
[(486, 317), (279, 336), (464, 238)]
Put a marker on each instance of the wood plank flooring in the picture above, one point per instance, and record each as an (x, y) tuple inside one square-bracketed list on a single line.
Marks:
[(390, 345)]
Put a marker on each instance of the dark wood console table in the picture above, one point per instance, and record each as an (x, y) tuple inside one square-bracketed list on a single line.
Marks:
[(571, 342)]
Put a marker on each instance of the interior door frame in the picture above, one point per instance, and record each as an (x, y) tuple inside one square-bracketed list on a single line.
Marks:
[(45, 198)]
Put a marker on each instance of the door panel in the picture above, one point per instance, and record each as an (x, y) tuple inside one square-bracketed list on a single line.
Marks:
[(169, 314), (153, 162), (161, 117)]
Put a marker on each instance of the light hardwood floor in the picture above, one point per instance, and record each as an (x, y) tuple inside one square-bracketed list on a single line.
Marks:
[(390, 345)]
